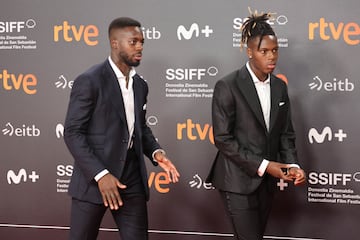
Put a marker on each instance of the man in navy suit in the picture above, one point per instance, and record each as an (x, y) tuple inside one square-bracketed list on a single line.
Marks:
[(107, 134), (254, 134)]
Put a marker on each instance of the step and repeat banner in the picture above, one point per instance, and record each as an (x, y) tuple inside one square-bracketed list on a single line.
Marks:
[(189, 45)]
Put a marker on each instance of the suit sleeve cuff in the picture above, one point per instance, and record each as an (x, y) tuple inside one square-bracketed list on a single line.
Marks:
[(101, 174), (294, 165), (261, 170), (157, 150)]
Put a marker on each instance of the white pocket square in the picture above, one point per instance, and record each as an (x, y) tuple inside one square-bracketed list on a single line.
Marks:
[(281, 103), (144, 107)]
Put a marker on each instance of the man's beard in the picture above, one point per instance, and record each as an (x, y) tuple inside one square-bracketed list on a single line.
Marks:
[(127, 60)]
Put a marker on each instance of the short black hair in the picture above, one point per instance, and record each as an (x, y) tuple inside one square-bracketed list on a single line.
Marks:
[(123, 22), (255, 26)]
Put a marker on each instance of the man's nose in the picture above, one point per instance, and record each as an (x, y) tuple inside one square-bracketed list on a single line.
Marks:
[(272, 54), (139, 46)]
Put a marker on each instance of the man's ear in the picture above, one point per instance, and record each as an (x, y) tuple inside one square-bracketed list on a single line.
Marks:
[(249, 52), (114, 43)]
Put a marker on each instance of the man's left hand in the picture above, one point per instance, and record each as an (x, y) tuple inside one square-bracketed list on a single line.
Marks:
[(297, 174), (168, 167)]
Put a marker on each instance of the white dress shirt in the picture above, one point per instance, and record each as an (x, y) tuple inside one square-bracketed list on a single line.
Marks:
[(128, 98), (264, 93)]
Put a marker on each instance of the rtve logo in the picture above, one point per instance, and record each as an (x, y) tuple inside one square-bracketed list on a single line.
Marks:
[(326, 134), (21, 176), (23, 131), (194, 131), (14, 82), (69, 33), (280, 20), (190, 73), (160, 181), (182, 32), (335, 85), (13, 26), (348, 32)]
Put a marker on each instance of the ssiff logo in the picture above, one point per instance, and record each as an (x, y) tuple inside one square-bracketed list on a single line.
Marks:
[(333, 179), (10, 27), (69, 33), (190, 73), (194, 29), (325, 134), (21, 176), (279, 20), (348, 32)]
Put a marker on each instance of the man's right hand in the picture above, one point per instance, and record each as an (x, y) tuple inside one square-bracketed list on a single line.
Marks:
[(108, 186), (275, 170)]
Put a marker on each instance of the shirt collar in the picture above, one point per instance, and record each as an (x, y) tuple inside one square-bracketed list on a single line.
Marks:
[(254, 77), (117, 71)]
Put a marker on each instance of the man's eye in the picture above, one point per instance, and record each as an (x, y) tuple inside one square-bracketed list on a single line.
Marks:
[(135, 42)]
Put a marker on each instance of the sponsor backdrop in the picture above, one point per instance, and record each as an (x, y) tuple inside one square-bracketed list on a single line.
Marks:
[(189, 45)]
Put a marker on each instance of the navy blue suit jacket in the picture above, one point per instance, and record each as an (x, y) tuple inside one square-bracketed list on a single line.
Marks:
[(96, 131)]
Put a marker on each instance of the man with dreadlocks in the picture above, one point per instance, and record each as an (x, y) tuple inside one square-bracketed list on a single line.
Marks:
[(253, 132)]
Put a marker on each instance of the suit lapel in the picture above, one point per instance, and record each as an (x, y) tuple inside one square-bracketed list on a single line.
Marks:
[(137, 98), (275, 100), (112, 88), (247, 88)]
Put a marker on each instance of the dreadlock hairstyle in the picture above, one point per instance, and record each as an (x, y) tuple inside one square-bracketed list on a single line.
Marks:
[(256, 25)]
